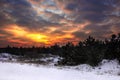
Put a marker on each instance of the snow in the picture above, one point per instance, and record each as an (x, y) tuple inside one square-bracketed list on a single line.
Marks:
[(17, 71), (7, 57), (51, 60), (106, 67), (111, 67)]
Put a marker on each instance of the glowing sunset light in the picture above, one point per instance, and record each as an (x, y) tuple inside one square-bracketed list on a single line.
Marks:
[(22, 33), (37, 37), (15, 30)]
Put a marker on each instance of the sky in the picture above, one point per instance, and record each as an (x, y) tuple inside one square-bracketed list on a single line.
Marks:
[(46, 22)]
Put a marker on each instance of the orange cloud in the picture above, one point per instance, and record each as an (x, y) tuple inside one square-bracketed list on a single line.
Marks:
[(24, 36), (19, 32), (35, 37)]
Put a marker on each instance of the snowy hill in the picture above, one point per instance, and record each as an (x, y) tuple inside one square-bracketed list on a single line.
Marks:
[(106, 67), (108, 70)]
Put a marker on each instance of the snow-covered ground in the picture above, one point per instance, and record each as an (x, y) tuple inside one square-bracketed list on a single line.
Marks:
[(7, 57), (16, 71)]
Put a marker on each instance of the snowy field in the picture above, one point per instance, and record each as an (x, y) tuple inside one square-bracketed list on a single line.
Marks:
[(16, 71)]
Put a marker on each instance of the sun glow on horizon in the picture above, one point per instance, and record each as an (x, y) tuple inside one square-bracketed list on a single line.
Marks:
[(19, 32), (38, 37), (23, 35)]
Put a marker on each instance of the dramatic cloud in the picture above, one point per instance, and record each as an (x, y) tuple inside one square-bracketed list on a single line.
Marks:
[(45, 22)]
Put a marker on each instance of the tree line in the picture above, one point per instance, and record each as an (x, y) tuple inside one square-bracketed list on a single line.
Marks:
[(90, 51)]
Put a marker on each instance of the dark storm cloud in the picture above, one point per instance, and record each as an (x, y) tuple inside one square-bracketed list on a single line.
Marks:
[(15, 11), (80, 35), (58, 32), (98, 31), (98, 13), (20, 12), (90, 10), (94, 11)]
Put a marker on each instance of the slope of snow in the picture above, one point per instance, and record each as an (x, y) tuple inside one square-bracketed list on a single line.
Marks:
[(14, 71), (106, 67), (111, 67)]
